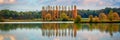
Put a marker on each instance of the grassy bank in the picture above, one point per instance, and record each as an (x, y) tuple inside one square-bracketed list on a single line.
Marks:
[(86, 20), (83, 20), (28, 20)]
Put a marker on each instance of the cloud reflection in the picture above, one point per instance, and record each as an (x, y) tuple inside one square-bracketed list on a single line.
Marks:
[(2, 37)]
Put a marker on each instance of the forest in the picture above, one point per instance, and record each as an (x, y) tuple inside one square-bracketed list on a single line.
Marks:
[(86, 13), (15, 15)]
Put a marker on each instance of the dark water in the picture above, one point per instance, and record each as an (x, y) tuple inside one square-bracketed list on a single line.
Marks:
[(64, 31)]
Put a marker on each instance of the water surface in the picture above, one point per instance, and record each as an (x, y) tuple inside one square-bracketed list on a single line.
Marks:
[(60, 31)]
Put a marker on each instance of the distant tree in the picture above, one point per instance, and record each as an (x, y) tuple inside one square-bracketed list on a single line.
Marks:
[(64, 17), (90, 18), (115, 16), (77, 19), (10, 18), (110, 15), (48, 16), (102, 16), (1, 18)]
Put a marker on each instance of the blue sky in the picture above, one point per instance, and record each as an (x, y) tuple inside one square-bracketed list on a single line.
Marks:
[(32, 5)]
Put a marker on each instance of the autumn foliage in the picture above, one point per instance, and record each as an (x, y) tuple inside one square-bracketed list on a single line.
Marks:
[(96, 19), (77, 19), (115, 16), (64, 17), (91, 18), (102, 16), (48, 16)]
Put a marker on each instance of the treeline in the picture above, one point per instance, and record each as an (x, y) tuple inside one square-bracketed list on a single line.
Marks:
[(10, 14), (86, 13), (111, 17)]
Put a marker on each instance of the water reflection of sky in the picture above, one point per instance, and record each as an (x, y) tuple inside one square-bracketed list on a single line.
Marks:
[(67, 33)]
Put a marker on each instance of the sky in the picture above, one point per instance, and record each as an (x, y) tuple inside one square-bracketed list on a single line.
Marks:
[(32, 5)]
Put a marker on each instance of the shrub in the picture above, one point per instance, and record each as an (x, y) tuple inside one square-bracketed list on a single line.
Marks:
[(64, 17), (77, 19), (96, 19), (91, 18), (1, 19)]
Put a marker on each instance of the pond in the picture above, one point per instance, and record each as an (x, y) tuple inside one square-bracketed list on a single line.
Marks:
[(60, 31)]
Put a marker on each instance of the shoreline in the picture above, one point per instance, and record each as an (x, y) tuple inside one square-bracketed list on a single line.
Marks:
[(51, 22), (38, 22)]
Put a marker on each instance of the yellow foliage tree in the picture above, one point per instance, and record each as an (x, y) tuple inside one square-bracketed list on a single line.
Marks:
[(77, 19), (96, 19), (48, 16), (115, 16), (102, 16), (64, 17), (110, 15), (90, 18)]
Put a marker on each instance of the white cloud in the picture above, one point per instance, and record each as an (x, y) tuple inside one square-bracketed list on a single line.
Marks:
[(11, 1), (34, 4), (1, 1), (7, 1)]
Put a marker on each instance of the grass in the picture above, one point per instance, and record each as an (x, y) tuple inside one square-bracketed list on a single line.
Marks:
[(11, 20), (84, 20)]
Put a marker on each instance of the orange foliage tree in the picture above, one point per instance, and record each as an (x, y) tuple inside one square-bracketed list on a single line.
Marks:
[(102, 16), (115, 16), (48, 16)]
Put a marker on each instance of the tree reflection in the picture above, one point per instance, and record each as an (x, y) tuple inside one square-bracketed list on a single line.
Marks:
[(64, 29), (8, 27), (58, 30)]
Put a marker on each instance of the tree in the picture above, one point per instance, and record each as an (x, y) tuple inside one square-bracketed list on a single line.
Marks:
[(77, 19), (1, 18), (48, 16), (102, 16), (10, 18), (96, 19), (115, 16), (110, 15), (64, 17), (90, 18)]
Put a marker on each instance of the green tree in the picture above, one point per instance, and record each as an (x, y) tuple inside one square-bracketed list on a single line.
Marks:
[(1, 18), (10, 18), (110, 15), (77, 19), (64, 17)]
